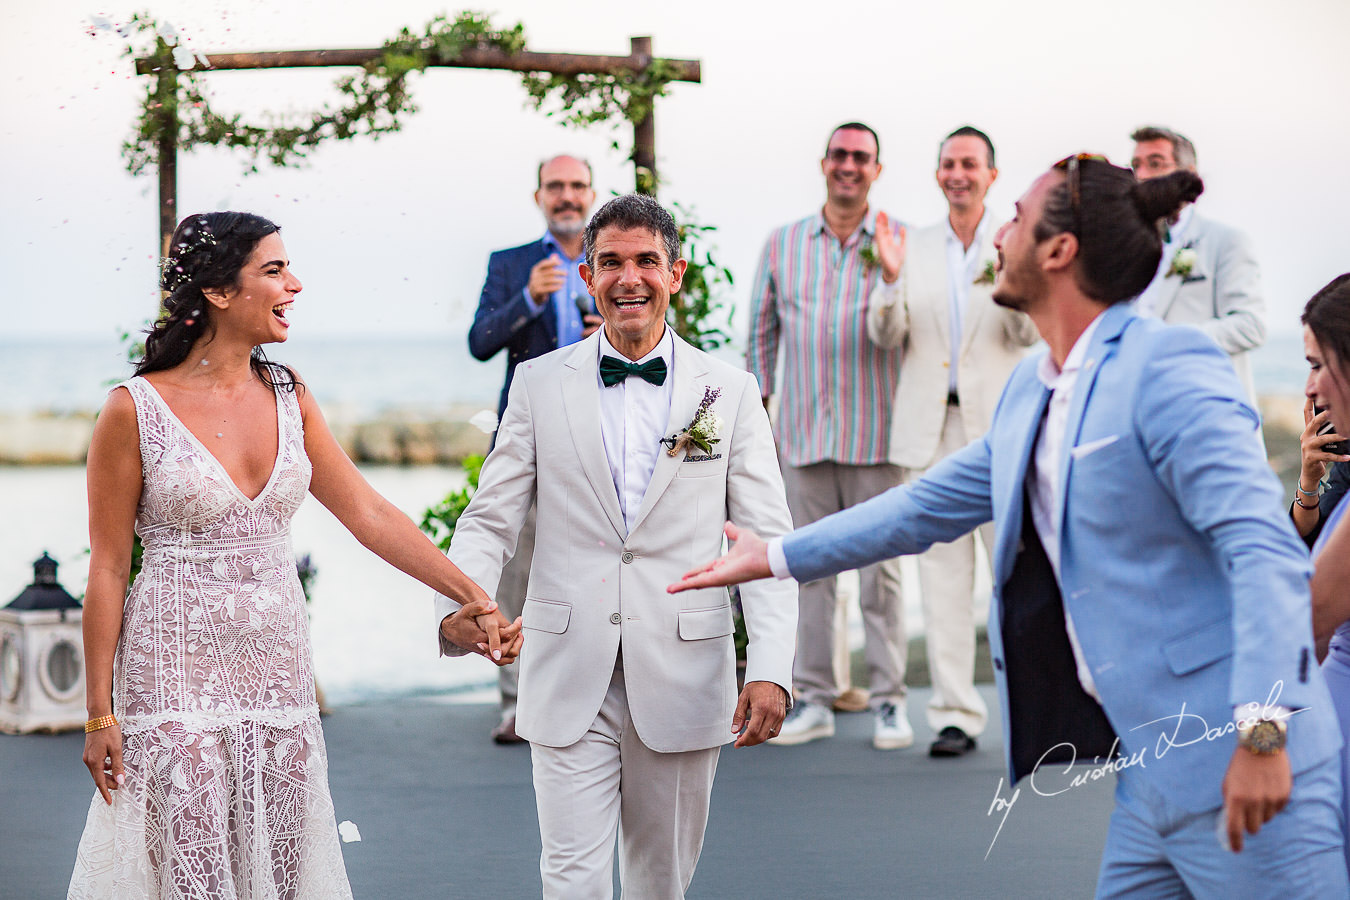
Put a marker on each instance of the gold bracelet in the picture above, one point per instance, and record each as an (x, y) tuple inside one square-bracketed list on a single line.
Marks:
[(99, 724)]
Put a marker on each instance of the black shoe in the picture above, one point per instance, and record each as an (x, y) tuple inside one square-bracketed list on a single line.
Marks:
[(951, 741)]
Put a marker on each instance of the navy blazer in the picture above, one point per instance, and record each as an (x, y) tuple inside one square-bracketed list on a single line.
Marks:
[(505, 319)]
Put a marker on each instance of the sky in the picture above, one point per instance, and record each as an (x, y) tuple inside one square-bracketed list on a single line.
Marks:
[(391, 237)]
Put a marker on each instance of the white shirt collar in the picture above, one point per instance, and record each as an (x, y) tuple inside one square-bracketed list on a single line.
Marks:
[(1050, 374)]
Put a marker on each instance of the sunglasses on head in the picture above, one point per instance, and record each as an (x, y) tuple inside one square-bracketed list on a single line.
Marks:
[(1071, 164)]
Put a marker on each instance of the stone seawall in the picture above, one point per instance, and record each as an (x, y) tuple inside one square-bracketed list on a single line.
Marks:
[(398, 438), (414, 438)]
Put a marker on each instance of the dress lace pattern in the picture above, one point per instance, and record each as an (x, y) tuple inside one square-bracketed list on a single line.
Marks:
[(226, 792)]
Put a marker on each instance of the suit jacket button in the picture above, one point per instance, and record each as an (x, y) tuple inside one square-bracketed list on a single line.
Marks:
[(627, 556), (616, 618)]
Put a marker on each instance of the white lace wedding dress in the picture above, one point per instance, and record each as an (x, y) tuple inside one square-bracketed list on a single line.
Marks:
[(226, 793)]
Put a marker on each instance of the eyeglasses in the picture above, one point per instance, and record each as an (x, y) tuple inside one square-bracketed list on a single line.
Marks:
[(1075, 182), (839, 155), (557, 187)]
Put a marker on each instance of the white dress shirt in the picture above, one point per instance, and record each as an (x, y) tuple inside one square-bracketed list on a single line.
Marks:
[(1045, 486), (962, 269), (633, 417), (1147, 302)]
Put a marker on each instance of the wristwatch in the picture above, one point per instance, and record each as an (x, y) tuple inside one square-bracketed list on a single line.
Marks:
[(1264, 737)]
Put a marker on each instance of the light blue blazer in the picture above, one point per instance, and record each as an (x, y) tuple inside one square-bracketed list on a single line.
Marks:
[(1186, 582)]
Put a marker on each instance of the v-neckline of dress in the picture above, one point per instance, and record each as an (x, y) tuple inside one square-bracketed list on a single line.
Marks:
[(276, 463)]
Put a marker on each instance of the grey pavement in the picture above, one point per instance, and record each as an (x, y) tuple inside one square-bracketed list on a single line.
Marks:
[(444, 813)]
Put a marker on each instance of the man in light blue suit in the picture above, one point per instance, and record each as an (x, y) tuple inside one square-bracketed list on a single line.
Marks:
[(1151, 599)]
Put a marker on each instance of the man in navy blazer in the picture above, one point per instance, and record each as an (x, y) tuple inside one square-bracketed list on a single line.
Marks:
[(535, 301), (1151, 600)]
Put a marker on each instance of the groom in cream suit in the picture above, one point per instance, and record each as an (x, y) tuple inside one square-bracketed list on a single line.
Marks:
[(637, 448), (959, 349)]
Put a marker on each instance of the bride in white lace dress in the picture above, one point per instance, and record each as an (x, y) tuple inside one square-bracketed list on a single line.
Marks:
[(204, 738)]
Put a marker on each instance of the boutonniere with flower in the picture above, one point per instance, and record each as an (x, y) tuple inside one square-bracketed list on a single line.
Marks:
[(987, 274), (1183, 263), (702, 430), (868, 252)]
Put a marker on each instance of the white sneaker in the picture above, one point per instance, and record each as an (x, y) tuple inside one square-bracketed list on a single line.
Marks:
[(892, 730), (805, 722)]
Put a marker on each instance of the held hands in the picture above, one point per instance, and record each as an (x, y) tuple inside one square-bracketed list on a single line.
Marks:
[(480, 627), (1312, 446), (546, 277), (759, 713), (890, 248), (1254, 790), (747, 560), (103, 757)]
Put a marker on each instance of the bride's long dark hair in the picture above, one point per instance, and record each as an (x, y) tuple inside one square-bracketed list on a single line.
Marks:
[(207, 251)]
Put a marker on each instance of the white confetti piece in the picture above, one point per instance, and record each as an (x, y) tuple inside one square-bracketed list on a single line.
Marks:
[(484, 420), (349, 832)]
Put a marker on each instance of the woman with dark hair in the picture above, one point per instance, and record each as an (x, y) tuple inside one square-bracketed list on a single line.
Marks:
[(203, 736), (1326, 341)]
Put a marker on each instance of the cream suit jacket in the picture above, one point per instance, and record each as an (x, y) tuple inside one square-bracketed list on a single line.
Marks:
[(1221, 295), (594, 585), (914, 314)]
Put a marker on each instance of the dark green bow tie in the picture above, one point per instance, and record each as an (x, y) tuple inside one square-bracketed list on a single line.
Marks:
[(614, 370)]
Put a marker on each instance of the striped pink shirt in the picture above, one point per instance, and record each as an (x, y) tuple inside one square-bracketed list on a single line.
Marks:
[(810, 298)]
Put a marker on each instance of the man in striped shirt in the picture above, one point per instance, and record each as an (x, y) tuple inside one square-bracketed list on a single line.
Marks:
[(809, 302)]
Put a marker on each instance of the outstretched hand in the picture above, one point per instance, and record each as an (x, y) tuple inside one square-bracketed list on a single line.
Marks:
[(890, 248), (747, 560), (480, 627)]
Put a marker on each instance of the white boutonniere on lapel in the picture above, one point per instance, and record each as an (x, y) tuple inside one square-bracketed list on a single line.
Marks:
[(702, 430), (986, 275), (1183, 263)]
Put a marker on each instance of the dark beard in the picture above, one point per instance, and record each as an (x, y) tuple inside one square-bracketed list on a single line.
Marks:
[(1009, 301)]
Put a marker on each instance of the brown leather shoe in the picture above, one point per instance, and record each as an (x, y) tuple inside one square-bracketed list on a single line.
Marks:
[(505, 732), (852, 700)]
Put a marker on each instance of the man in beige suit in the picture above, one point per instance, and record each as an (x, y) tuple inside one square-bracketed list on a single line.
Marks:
[(1208, 275), (934, 301), (637, 448)]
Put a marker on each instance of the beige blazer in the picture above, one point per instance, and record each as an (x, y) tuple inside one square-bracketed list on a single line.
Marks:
[(594, 586), (1222, 294), (913, 314)]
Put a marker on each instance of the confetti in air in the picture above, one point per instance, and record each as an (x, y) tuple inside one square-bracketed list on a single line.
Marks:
[(484, 420), (349, 832)]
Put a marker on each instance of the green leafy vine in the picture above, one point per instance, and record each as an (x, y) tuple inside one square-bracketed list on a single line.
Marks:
[(374, 102)]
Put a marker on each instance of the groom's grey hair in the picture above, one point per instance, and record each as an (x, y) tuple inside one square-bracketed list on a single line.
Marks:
[(634, 211)]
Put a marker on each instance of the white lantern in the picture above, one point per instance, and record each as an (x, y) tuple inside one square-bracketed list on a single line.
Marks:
[(42, 657)]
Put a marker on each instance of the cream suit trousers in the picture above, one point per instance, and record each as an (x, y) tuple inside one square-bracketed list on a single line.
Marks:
[(947, 586), (814, 492), (609, 782)]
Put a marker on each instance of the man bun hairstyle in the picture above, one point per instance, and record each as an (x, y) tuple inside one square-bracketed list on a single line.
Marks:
[(1327, 316), (206, 251), (1119, 224), (634, 211)]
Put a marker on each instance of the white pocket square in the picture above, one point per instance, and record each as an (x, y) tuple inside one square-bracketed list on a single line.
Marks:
[(1090, 447)]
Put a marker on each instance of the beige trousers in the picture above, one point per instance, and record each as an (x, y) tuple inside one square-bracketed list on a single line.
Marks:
[(813, 492), (947, 592), (610, 783)]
